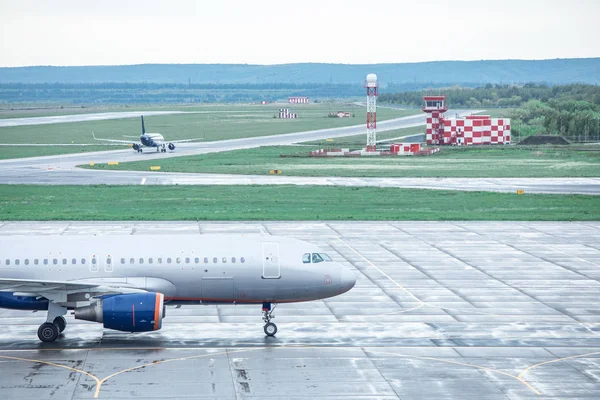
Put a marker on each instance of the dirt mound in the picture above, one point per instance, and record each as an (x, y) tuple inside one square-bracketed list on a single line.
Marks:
[(544, 139)]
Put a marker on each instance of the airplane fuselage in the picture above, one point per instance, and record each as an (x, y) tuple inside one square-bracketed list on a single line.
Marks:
[(198, 269)]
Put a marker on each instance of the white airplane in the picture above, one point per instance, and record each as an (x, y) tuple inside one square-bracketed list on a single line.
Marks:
[(124, 282), (149, 140)]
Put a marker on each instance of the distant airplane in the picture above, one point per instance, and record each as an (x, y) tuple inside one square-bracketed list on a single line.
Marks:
[(124, 282), (149, 140)]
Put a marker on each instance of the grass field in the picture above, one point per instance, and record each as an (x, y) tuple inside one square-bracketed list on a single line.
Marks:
[(488, 161), (214, 122), (229, 203), (7, 152), (359, 141)]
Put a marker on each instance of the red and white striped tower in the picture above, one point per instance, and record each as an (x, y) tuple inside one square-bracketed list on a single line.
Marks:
[(371, 85)]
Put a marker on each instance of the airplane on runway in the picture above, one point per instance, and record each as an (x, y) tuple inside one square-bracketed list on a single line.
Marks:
[(149, 140), (125, 282)]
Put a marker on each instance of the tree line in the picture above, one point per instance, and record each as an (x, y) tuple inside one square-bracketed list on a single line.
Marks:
[(572, 111)]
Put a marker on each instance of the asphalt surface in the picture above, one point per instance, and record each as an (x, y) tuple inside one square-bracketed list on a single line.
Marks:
[(60, 170), (61, 119), (441, 310)]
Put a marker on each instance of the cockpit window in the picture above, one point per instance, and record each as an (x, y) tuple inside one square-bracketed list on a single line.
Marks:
[(316, 258), (306, 258), (325, 257)]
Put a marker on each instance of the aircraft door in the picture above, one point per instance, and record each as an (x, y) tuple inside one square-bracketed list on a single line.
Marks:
[(271, 266)]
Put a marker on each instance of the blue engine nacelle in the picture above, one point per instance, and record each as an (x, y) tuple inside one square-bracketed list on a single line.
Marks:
[(171, 146), (8, 300), (138, 312)]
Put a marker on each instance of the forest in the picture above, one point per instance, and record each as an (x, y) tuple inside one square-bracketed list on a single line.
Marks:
[(572, 111)]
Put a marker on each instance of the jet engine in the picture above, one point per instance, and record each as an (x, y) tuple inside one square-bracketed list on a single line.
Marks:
[(136, 147), (137, 312), (171, 146)]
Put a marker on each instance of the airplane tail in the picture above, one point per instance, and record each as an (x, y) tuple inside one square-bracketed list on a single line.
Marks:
[(143, 128)]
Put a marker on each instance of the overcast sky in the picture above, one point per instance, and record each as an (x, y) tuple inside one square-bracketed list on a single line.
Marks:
[(112, 32)]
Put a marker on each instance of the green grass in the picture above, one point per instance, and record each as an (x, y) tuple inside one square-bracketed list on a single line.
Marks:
[(489, 161), (213, 122), (359, 141), (7, 152), (232, 203)]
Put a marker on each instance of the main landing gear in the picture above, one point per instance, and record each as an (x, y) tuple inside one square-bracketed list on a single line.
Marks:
[(55, 323), (269, 328)]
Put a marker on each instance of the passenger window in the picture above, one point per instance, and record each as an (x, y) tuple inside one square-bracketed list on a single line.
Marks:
[(169, 260), (205, 260), (83, 261), (224, 260), (306, 258), (316, 258), (108, 260), (7, 261), (122, 261), (242, 260), (45, 261), (54, 261), (94, 260), (150, 260), (160, 260), (27, 261), (17, 262), (187, 260), (64, 261), (178, 260), (141, 260), (131, 260), (233, 260), (197, 260), (74, 261), (215, 260), (36, 261)]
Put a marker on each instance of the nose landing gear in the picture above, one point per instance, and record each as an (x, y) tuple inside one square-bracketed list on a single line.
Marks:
[(270, 328)]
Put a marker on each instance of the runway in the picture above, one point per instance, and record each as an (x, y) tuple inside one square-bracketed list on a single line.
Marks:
[(61, 119), (441, 310), (60, 170)]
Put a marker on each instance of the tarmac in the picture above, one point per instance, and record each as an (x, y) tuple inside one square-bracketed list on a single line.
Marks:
[(441, 310)]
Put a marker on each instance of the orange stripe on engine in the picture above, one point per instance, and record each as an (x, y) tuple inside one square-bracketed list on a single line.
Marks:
[(157, 308)]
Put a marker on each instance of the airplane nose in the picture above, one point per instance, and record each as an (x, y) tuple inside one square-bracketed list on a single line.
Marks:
[(348, 280)]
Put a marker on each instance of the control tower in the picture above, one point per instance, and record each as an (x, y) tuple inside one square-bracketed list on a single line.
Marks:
[(436, 106)]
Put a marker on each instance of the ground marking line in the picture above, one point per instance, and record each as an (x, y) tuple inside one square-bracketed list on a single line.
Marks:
[(421, 302), (383, 273), (555, 361), (143, 181), (463, 364), (54, 365)]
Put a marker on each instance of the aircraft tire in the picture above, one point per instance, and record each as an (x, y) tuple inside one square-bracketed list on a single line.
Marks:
[(270, 329), (48, 332), (61, 323)]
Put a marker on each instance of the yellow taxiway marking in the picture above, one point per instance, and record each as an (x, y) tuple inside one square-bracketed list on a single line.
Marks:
[(522, 373), (481, 367), (100, 382), (53, 365)]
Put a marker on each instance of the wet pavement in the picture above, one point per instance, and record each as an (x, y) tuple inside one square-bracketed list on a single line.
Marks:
[(441, 310)]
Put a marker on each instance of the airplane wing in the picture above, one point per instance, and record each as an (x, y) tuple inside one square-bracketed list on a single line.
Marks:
[(57, 291), (113, 140)]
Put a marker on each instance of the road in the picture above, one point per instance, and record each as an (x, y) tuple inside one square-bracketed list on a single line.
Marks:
[(61, 169)]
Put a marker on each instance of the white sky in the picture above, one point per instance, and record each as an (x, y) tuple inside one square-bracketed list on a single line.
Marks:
[(113, 32)]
